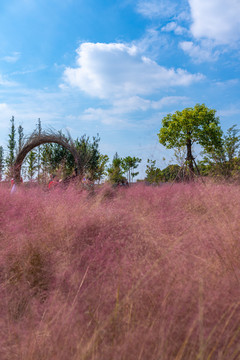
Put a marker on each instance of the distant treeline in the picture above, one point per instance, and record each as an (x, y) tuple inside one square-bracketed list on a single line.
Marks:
[(219, 157)]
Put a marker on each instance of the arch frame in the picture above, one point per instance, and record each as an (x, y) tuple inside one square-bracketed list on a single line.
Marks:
[(36, 140)]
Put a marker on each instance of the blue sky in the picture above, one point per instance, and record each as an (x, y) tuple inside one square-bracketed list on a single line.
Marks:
[(117, 67)]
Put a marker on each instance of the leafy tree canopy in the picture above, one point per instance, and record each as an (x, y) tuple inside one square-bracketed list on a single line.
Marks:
[(199, 124), (223, 161), (129, 164), (115, 171), (192, 125), (153, 174)]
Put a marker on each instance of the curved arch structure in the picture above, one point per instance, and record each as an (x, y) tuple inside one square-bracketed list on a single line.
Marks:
[(44, 138)]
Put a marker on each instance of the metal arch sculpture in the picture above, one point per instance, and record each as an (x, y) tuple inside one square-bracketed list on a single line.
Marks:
[(44, 138)]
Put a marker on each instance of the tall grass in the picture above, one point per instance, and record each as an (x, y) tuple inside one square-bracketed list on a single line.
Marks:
[(140, 273)]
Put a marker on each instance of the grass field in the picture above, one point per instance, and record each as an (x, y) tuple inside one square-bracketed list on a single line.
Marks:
[(139, 273)]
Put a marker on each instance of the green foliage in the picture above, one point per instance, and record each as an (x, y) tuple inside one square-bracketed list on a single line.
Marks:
[(55, 158), (101, 171), (153, 174), (198, 124), (115, 171), (192, 125), (46, 161), (11, 147), (121, 166), (129, 164), (90, 156), (171, 173), (231, 143), (224, 161), (31, 162), (60, 158)]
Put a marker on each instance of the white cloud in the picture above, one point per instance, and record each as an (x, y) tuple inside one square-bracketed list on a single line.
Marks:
[(117, 70), (137, 103), (200, 52), (11, 58), (173, 26), (227, 83), (116, 114), (5, 82), (122, 107), (109, 116), (156, 8), (29, 71), (183, 15), (134, 103), (169, 101), (218, 20), (152, 43)]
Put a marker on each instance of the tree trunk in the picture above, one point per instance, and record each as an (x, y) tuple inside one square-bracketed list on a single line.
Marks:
[(190, 159)]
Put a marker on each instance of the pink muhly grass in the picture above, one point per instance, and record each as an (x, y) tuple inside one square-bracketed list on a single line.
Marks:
[(138, 273)]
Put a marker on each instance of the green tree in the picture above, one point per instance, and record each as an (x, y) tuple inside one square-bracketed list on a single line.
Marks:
[(90, 155), (101, 167), (192, 125), (224, 160), (115, 171), (31, 164), (231, 143), (129, 164), (1, 163), (172, 172), (11, 149), (20, 137), (153, 174), (46, 162), (56, 158)]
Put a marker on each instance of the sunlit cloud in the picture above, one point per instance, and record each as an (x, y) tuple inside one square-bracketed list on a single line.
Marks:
[(118, 70), (201, 52), (218, 20)]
